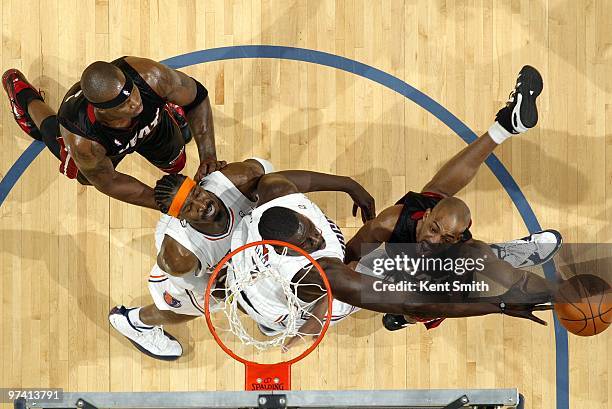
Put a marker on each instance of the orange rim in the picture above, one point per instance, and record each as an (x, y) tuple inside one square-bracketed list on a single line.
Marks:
[(222, 263)]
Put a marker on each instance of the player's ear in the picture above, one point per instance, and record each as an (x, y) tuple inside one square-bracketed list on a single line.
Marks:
[(426, 214)]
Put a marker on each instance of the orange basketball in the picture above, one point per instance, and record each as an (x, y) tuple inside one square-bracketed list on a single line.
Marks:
[(584, 305)]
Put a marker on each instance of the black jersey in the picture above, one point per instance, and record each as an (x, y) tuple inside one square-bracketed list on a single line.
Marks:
[(153, 125), (415, 205)]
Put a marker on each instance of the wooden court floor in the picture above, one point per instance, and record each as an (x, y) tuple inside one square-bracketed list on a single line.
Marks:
[(68, 253)]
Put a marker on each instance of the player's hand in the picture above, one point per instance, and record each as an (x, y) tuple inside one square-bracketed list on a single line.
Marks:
[(208, 166), (520, 294), (290, 342), (364, 201), (526, 311)]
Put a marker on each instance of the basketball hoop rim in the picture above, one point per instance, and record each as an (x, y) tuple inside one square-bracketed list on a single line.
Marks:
[(213, 278)]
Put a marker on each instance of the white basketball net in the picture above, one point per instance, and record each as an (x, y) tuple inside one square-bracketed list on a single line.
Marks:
[(297, 311)]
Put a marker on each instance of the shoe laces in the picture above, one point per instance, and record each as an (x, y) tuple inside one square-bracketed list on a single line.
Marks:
[(521, 250), (156, 337), (512, 94)]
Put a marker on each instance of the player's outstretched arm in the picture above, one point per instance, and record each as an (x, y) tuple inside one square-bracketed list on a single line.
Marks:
[(306, 181), (90, 157), (312, 326), (181, 89), (367, 292), (376, 231)]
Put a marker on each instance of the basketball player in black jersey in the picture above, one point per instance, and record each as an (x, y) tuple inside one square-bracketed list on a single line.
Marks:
[(435, 216), (128, 105), (526, 292)]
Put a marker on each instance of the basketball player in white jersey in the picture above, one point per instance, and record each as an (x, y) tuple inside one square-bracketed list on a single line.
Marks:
[(281, 210), (284, 214), (194, 235)]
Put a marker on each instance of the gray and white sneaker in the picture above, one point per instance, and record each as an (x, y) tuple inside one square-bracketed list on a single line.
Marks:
[(532, 250), (153, 341)]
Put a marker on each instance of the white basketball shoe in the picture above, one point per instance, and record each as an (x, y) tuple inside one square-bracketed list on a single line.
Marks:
[(532, 250), (152, 341)]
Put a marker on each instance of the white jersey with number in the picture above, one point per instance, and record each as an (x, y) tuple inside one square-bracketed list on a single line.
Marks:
[(185, 294), (265, 301)]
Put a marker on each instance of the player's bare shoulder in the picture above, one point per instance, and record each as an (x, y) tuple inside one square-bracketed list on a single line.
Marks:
[(82, 148), (175, 259), (153, 72), (245, 176)]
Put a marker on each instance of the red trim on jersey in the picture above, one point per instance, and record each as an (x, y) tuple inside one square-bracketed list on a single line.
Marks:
[(90, 113), (419, 215), (429, 322), (178, 163), (432, 194)]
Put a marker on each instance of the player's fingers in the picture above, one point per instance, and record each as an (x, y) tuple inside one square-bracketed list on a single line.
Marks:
[(367, 214), (288, 344), (544, 307), (536, 319), (371, 211)]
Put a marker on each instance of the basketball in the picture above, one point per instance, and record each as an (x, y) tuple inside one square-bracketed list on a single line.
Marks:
[(584, 305)]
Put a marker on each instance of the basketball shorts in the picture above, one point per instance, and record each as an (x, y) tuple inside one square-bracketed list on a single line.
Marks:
[(177, 294)]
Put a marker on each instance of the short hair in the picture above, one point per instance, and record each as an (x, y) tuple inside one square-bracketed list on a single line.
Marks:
[(165, 190), (102, 81), (278, 223)]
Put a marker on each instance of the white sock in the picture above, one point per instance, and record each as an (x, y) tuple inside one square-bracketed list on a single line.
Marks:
[(498, 133), (134, 317)]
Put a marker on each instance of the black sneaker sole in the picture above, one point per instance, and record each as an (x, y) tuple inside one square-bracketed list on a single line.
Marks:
[(390, 322), (530, 80)]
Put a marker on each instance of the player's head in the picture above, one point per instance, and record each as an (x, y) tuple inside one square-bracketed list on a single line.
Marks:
[(179, 196), (280, 223), (110, 91), (445, 223)]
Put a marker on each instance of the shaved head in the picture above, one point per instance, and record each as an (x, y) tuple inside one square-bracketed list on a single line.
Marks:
[(454, 210), (101, 81), (445, 223)]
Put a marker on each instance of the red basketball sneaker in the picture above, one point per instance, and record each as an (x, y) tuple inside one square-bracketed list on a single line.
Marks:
[(14, 82)]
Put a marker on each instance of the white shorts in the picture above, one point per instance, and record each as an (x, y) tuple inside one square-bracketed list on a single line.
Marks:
[(171, 293), (341, 310)]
